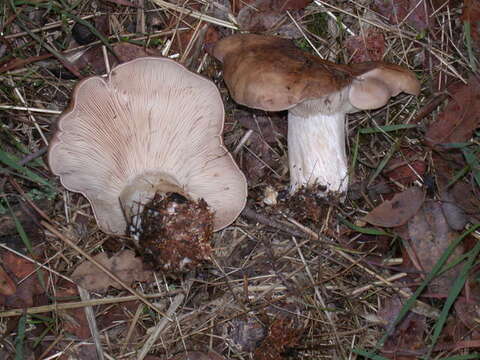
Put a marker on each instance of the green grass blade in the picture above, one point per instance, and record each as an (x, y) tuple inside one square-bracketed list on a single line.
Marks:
[(472, 160), (387, 128), (384, 162), (20, 338), (355, 155), (367, 355), (463, 357), (453, 294), (368, 231), (411, 301), (12, 162)]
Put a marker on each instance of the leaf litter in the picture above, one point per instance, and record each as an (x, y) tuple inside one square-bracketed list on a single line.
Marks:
[(302, 248), (125, 265)]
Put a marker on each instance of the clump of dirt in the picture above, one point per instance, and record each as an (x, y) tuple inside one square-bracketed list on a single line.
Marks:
[(175, 232), (309, 204)]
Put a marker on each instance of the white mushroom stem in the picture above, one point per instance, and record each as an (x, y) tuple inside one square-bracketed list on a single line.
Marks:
[(316, 151)]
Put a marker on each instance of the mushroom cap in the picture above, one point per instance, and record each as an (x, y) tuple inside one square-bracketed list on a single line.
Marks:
[(272, 74), (151, 115)]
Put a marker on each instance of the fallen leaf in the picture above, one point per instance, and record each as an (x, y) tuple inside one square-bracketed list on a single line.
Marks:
[(413, 12), (117, 314), (408, 335), (454, 214), (7, 286), (74, 320), (263, 15), (124, 265), (467, 198), (459, 118), (471, 15), (92, 59), (126, 51), (367, 47), (259, 157), (398, 210), (467, 311), (430, 235), (269, 127), (26, 272), (405, 169)]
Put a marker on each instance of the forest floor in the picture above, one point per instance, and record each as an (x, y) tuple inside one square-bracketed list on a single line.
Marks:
[(390, 272)]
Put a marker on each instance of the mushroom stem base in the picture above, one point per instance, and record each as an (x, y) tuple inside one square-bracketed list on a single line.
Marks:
[(316, 151), (141, 189)]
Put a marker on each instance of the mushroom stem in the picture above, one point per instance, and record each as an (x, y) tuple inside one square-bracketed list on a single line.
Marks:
[(142, 188), (316, 151)]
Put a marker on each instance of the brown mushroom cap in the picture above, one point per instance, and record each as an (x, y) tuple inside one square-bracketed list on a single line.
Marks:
[(272, 74), (150, 116)]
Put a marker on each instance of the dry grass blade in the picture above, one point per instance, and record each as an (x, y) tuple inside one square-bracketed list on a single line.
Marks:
[(177, 301), (420, 307), (196, 14), (76, 305), (92, 323)]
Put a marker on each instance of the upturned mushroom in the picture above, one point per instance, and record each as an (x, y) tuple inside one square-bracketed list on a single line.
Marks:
[(152, 129), (272, 74)]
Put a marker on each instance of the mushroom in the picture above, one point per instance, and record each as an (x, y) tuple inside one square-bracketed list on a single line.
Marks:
[(151, 127), (272, 74)]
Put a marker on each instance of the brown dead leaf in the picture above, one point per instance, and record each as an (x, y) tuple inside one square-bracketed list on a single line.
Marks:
[(398, 210), (367, 47), (267, 15), (126, 51), (74, 320), (454, 214), (405, 169), (413, 12), (452, 335), (471, 14), (467, 310), (445, 166), (269, 127), (93, 60), (467, 197), (459, 118), (24, 271), (256, 160), (7, 286), (430, 236), (408, 335), (259, 155), (124, 265), (461, 194)]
